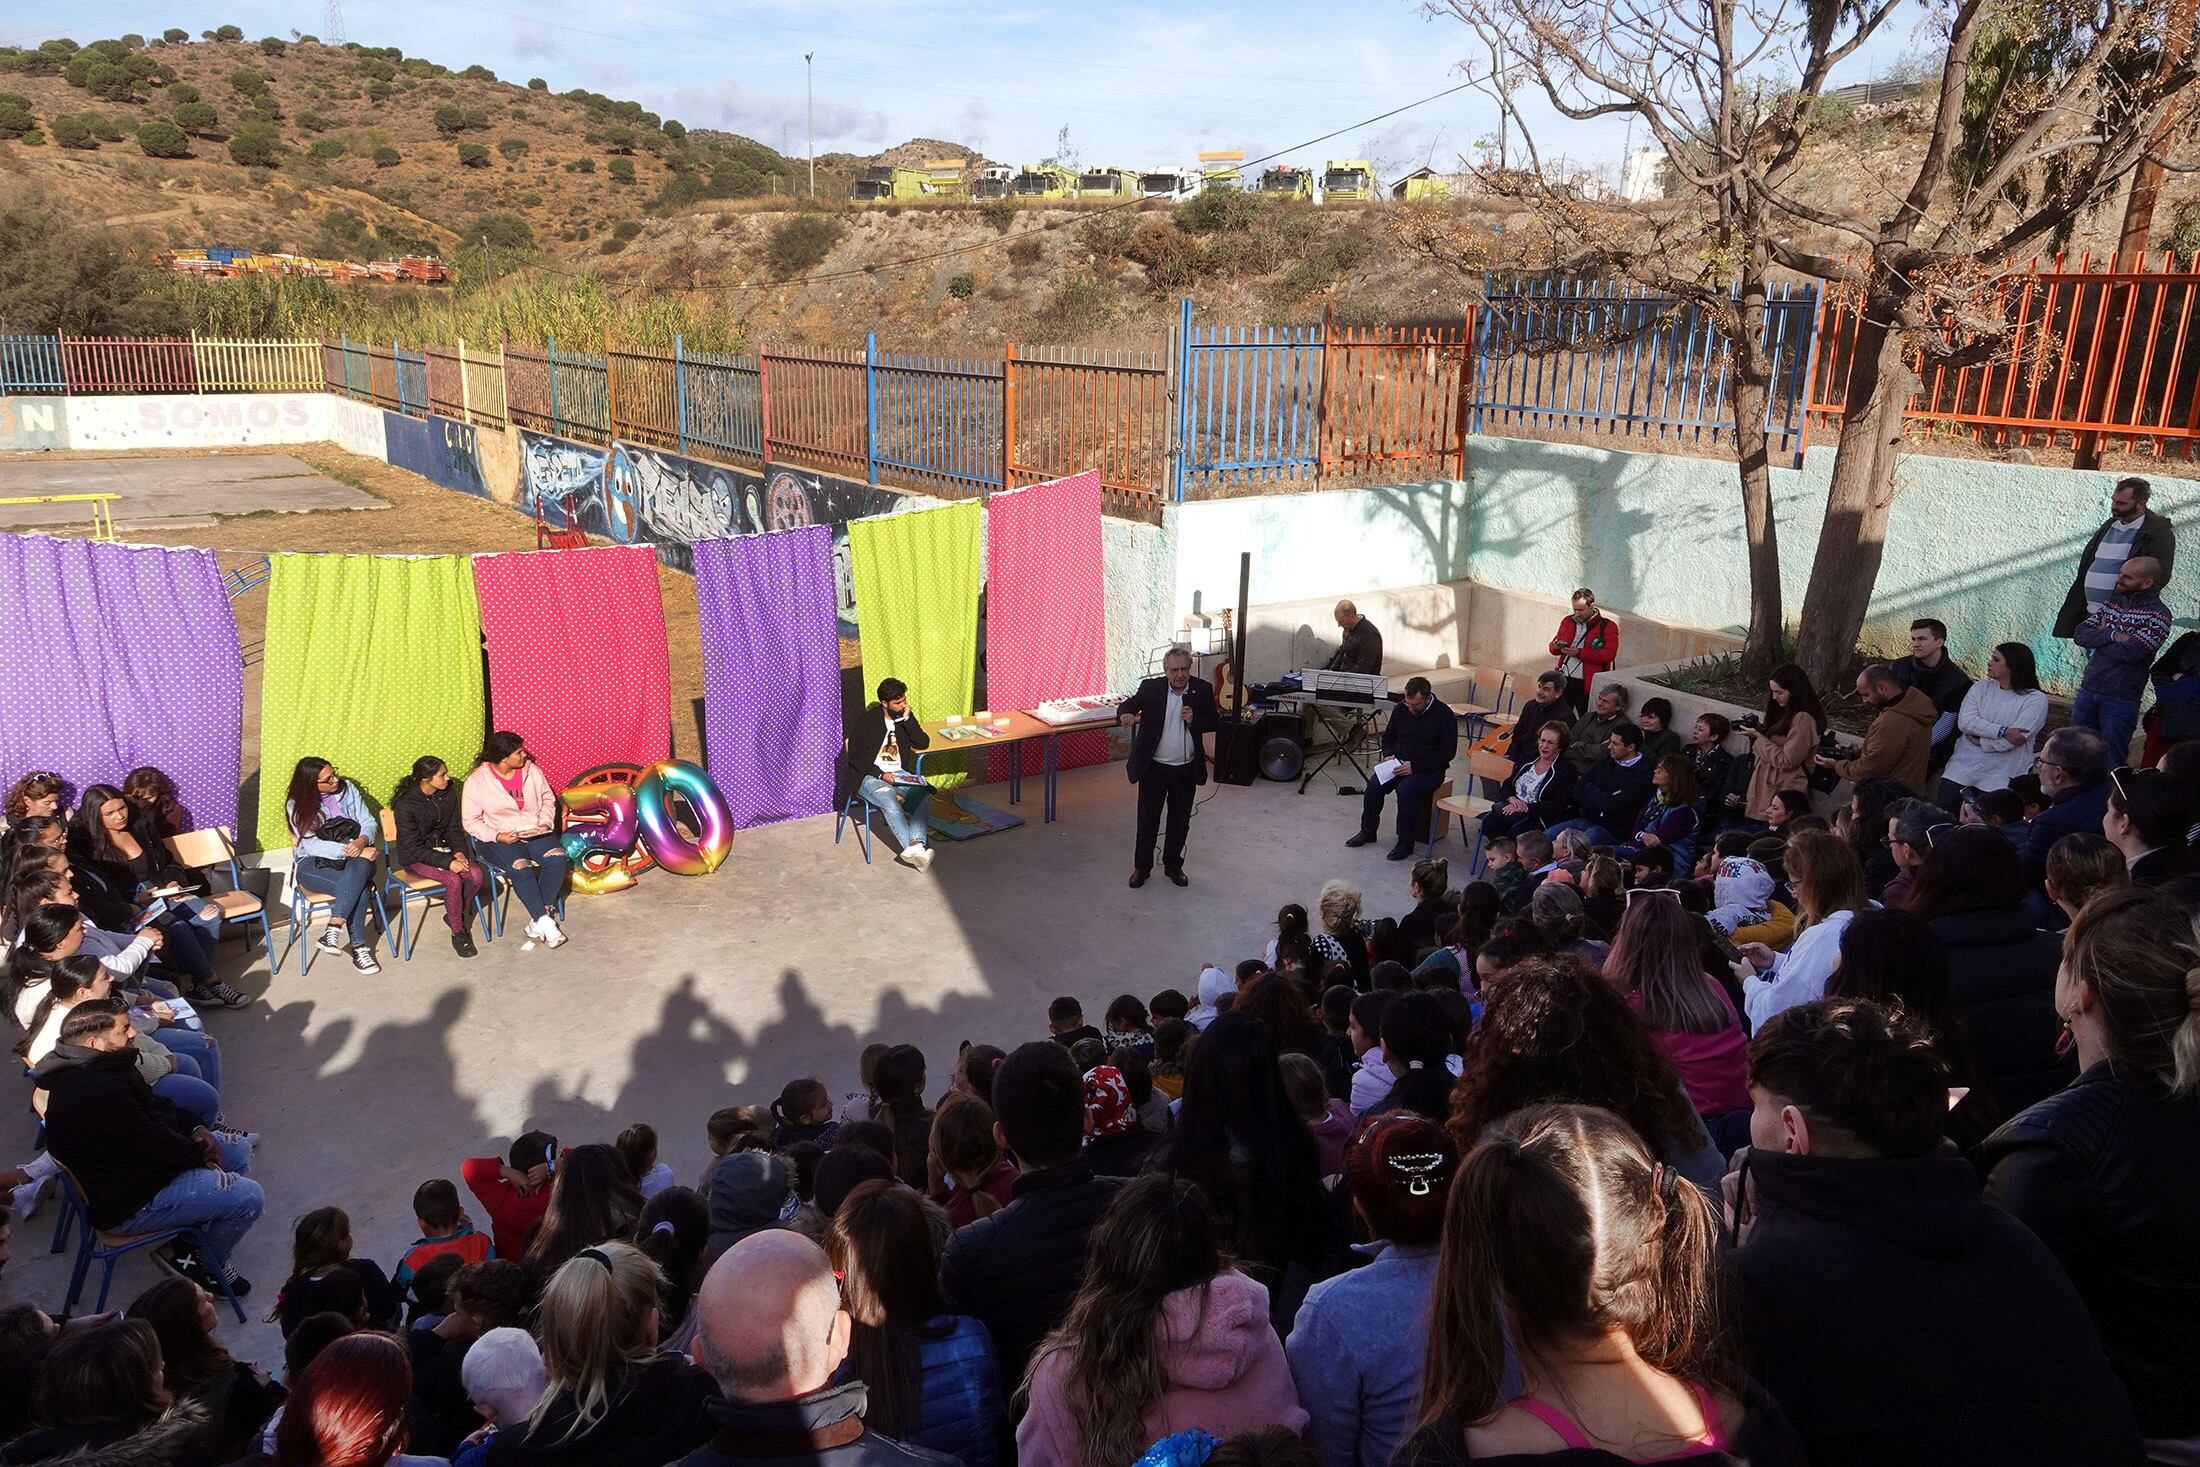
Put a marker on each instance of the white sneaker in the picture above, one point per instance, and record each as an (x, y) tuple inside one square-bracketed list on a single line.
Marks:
[(535, 930), (552, 933), (24, 1200), (923, 855), (907, 856)]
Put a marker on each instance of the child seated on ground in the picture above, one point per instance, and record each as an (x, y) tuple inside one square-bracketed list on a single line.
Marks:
[(730, 1129), (1329, 1119), (431, 1291), (857, 1107), (1501, 866), (1334, 1052), (320, 1247), (803, 1112), (504, 1378), (1066, 1022), (514, 1192), (1172, 1039), (1128, 1027), (482, 1297), (1169, 1003), (637, 1146), (1088, 1053), (1651, 866), (444, 1228)]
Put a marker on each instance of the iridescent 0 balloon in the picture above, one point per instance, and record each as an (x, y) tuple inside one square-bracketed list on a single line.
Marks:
[(674, 848)]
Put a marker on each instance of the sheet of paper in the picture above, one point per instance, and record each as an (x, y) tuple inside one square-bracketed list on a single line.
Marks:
[(1384, 772)]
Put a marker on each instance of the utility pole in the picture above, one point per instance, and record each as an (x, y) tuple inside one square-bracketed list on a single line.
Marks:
[(809, 110)]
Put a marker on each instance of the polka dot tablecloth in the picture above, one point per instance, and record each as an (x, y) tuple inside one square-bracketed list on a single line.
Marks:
[(577, 655), (113, 656), (1045, 609), (771, 672), (372, 661)]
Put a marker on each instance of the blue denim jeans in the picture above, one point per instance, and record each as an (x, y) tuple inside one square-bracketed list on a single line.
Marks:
[(2114, 719), (190, 1092), (907, 824), (190, 928), (222, 1204), (349, 887), (194, 1045), (537, 884)]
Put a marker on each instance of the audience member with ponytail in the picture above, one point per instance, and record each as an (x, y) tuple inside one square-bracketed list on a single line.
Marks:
[(931, 1376), (1566, 1241), (614, 1400), (899, 1103), (592, 1200), (2107, 1171), (1356, 1347), (973, 1177), (673, 1229)]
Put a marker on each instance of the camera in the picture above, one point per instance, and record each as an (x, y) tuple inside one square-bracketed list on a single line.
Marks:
[(1750, 720), (1830, 746)]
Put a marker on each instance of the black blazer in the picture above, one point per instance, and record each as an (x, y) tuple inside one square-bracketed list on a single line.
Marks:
[(1151, 704), (865, 736)]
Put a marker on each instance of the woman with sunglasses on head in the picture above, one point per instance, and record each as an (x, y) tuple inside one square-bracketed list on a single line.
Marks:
[(338, 865), (512, 814), (36, 793), (2001, 968), (123, 851), (2147, 816)]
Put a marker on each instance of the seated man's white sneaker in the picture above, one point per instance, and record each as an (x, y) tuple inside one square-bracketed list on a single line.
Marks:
[(923, 857), (909, 856)]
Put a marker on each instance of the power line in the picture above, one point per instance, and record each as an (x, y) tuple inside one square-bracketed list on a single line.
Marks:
[(1010, 236)]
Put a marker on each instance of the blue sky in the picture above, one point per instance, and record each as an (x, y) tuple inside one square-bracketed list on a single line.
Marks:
[(1137, 85)]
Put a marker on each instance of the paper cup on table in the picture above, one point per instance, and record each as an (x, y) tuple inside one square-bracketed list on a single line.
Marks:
[(982, 716), (954, 718), (1000, 723)]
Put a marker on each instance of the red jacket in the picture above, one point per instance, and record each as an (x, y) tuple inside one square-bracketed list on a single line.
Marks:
[(1598, 651), (511, 1216)]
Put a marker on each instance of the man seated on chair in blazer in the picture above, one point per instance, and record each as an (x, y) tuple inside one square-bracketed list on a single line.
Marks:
[(883, 744), (1172, 719)]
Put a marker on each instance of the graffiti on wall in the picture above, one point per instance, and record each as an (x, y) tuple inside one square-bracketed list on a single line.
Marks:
[(640, 496), (439, 449), (34, 422)]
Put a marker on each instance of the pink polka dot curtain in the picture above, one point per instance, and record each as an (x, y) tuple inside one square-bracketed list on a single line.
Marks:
[(577, 665), (1045, 608), (113, 656)]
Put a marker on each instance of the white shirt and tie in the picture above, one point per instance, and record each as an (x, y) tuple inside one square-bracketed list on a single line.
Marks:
[(1175, 744)]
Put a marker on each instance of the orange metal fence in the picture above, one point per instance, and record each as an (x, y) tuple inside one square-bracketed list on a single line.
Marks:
[(1394, 397), (2092, 350), (1069, 409), (817, 407)]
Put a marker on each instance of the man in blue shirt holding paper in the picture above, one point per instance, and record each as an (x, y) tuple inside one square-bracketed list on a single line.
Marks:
[(1421, 737)]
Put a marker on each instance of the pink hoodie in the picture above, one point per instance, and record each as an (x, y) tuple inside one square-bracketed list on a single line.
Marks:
[(486, 807), (1225, 1367)]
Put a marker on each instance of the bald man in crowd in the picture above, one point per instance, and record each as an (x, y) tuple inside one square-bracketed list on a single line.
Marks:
[(2122, 635), (1362, 649), (771, 1333)]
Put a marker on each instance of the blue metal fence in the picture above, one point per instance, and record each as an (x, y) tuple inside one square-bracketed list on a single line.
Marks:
[(1248, 404), (31, 364), (412, 381), (935, 419), (721, 404)]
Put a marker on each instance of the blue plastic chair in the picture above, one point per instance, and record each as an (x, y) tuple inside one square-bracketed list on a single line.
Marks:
[(852, 809), (303, 905), (108, 1249)]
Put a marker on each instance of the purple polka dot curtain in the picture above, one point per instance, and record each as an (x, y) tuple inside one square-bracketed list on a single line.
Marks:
[(771, 672), (115, 656)]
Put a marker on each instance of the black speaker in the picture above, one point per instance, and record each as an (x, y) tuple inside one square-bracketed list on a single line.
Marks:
[(1237, 752)]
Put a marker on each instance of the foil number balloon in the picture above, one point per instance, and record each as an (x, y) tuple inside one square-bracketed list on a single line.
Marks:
[(621, 820)]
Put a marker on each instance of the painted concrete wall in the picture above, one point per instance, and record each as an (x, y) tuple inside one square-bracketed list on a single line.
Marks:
[(1335, 543), (1139, 567), (211, 420), (29, 423), (1989, 548), (356, 427)]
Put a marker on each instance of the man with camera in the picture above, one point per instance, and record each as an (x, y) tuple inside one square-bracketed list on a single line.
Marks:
[(1899, 744)]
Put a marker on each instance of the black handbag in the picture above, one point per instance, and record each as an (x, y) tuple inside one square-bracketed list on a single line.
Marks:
[(341, 829)]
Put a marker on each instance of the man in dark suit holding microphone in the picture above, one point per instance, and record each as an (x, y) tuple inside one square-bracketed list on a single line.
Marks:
[(1172, 719)]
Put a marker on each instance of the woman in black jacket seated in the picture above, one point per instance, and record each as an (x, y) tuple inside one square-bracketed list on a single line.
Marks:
[(99, 1386), (1540, 792), (2107, 1171), (237, 1398), (2001, 967), (122, 851), (431, 845)]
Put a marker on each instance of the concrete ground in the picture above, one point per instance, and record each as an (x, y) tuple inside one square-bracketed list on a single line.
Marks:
[(686, 994), (170, 491)]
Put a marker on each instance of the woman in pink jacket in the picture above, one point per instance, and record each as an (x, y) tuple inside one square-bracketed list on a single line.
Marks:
[(510, 811), (1164, 1336)]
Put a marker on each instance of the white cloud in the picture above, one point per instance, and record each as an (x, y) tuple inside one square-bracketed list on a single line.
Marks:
[(767, 116)]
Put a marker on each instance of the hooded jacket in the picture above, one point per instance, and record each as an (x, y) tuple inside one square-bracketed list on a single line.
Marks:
[(1898, 745), (1898, 1319), (1224, 1367), (119, 1140), (749, 1192), (654, 1414), (822, 1429), (1213, 984)]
